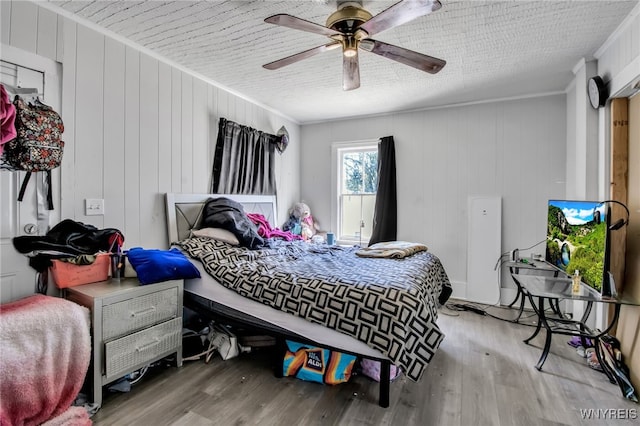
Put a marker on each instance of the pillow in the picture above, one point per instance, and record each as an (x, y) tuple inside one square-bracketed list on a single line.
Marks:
[(153, 265), (216, 234)]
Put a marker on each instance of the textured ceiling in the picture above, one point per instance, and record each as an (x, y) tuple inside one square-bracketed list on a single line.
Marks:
[(493, 49)]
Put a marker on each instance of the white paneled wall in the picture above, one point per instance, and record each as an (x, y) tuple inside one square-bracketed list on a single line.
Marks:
[(512, 149), (582, 169), (619, 59), (114, 113), (135, 127)]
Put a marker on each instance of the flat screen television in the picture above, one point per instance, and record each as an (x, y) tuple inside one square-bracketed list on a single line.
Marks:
[(577, 238)]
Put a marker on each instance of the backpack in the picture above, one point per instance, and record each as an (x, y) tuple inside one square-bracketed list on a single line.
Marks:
[(38, 145)]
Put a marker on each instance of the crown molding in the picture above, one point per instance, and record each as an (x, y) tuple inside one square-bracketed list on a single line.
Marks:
[(108, 33)]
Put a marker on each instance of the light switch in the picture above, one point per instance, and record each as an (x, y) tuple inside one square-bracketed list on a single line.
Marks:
[(93, 206)]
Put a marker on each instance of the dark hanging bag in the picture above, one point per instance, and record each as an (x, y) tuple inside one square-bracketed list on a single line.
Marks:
[(38, 146)]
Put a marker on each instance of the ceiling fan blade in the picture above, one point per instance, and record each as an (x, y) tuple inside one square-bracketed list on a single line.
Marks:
[(417, 60), (350, 72), (289, 21), (398, 14), (300, 56)]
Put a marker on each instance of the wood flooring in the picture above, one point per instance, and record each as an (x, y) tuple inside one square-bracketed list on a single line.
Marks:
[(482, 374)]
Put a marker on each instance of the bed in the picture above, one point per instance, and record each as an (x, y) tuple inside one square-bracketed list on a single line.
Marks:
[(380, 309)]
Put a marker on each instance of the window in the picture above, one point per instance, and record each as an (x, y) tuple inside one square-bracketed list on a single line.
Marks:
[(357, 167)]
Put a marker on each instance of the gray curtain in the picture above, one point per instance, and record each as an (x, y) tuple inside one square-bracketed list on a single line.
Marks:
[(385, 214), (244, 160)]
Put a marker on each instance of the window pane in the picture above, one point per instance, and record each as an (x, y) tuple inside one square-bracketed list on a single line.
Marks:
[(357, 217), (368, 206), (358, 168), (352, 175), (350, 217), (370, 171)]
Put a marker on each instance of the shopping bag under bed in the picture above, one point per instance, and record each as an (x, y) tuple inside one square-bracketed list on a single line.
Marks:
[(317, 364)]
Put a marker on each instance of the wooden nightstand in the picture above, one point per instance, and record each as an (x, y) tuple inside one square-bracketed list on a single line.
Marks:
[(132, 325)]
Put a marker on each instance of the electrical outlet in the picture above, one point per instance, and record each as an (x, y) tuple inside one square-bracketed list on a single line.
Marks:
[(93, 206)]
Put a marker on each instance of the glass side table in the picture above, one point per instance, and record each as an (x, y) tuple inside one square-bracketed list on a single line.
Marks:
[(539, 288), (527, 267)]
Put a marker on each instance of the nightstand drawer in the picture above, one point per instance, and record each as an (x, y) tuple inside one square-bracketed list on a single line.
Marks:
[(123, 354), (135, 314)]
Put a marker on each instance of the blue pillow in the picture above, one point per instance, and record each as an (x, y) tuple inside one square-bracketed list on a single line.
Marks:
[(153, 265)]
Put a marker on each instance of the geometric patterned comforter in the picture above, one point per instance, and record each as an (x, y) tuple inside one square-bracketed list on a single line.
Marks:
[(389, 304)]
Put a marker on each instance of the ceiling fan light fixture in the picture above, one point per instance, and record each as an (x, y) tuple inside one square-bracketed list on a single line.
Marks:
[(349, 52), (350, 47)]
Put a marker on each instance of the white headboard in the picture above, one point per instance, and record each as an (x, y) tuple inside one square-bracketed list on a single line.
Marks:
[(183, 210)]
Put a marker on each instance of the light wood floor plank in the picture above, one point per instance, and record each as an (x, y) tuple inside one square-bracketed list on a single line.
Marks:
[(483, 374)]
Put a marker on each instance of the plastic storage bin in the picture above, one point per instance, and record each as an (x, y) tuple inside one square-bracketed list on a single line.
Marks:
[(67, 274)]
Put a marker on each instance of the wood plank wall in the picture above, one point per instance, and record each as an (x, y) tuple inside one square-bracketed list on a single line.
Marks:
[(619, 64), (135, 126), (629, 324), (618, 191)]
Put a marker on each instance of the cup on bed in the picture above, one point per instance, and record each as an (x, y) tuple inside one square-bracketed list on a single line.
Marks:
[(331, 238)]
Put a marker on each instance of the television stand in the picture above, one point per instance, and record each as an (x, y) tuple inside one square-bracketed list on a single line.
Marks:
[(540, 289)]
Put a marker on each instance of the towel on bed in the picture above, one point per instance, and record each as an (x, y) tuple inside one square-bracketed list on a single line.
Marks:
[(391, 249), (45, 349)]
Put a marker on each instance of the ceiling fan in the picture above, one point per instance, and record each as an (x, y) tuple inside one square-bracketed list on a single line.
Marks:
[(351, 26)]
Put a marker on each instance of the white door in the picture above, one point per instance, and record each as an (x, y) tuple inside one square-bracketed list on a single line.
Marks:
[(29, 217)]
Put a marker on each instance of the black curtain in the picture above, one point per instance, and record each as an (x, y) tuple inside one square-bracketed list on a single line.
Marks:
[(385, 215), (244, 160)]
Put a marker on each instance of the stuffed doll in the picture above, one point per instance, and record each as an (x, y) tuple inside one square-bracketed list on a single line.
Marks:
[(292, 225), (301, 222)]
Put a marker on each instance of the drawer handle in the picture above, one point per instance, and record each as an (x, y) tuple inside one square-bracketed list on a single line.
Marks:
[(143, 312), (148, 345)]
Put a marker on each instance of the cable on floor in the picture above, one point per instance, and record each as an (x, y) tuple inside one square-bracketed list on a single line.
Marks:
[(470, 307)]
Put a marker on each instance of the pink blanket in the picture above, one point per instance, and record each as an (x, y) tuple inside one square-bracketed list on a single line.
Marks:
[(45, 350), (7, 119), (266, 231)]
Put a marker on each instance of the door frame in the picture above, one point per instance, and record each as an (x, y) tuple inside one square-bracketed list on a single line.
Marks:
[(17, 278)]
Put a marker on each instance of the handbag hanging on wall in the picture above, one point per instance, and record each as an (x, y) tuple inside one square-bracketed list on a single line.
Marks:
[(38, 146)]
